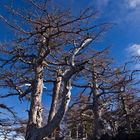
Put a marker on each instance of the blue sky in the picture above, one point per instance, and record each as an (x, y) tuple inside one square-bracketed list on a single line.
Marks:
[(124, 36)]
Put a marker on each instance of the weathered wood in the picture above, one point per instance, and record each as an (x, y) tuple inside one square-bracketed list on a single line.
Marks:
[(35, 113)]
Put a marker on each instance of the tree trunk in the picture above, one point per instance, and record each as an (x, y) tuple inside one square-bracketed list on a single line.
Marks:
[(35, 113), (125, 111), (55, 96), (95, 130)]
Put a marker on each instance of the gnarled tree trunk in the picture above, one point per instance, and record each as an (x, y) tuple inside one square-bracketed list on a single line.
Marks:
[(47, 130), (66, 91), (95, 129), (55, 97), (35, 113)]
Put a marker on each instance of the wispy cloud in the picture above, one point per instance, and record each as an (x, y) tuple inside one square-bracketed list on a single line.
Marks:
[(134, 50), (133, 3), (124, 12)]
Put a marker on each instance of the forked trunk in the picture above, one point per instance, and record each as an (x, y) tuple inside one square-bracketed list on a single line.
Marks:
[(34, 130), (55, 122)]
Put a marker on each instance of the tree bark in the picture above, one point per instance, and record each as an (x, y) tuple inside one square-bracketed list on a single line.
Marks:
[(55, 96), (125, 111), (95, 131), (35, 113), (55, 122)]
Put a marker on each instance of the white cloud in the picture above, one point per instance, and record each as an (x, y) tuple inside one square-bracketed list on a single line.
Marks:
[(134, 50), (134, 3)]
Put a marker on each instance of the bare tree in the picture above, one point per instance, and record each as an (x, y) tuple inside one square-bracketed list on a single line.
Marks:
[(102, 85), (46, 49)]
